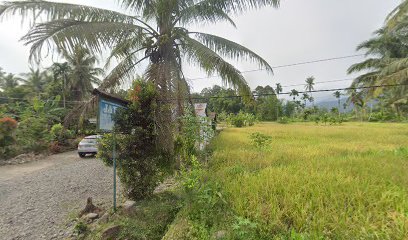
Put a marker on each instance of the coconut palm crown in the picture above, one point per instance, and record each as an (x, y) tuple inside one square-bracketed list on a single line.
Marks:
[(155, 31), (152, 31)]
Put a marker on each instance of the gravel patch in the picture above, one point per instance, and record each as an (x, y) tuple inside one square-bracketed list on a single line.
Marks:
[(37, 203)]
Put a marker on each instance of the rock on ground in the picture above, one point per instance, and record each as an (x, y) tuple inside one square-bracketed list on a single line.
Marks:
[(37, 203)]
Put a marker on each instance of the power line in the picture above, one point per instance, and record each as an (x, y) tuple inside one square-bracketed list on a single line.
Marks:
[(287, 65), (331, 81), (254, 95), (301, 84), (301, 92), (49, 100)]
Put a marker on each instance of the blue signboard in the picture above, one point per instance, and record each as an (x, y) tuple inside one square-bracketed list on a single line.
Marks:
[(107, 110)]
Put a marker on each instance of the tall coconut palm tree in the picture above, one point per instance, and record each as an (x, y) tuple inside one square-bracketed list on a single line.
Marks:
[(294, 93), (337, 95), (61, 73), (305, 97), (310, 82), (388, 59), (357, 98), (82, 73), (10, 81), (155, 31), (278, 90), (36, 80)]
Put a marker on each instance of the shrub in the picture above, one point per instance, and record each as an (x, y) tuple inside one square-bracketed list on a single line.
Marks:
[(260, 140), (250, 119), (141, 163), (57, 131), (33, 134), (241, 119), (80, 227), (55, 147), (283, 120), (60, 134), (238, 120), (7, 139)]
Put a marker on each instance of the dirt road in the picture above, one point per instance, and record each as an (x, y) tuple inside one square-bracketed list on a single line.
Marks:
[(38, 198)]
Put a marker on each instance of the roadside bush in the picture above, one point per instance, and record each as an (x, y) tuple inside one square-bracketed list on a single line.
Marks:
[(241, 119), (60, 134), (238, 120), (55, 147), (7, 139), (33, 134), (141, 164)]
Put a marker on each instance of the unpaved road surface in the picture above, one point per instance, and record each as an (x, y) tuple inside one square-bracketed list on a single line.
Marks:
[(37, 199)]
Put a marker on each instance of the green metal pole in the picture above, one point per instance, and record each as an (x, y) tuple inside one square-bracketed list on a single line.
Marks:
[(114, 171)]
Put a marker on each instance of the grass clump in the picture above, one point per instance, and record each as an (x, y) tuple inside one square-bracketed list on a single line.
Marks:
[(149, 221)]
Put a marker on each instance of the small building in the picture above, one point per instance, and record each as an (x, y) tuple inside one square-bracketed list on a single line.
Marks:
[(200, 109)]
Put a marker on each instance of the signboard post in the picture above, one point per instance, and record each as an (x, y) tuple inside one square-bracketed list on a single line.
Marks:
[(107, 108)]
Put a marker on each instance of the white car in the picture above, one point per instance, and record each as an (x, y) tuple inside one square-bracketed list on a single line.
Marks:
[(88, 145)]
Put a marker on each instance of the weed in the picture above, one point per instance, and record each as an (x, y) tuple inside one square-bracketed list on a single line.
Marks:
[(80, 227), (260, 140)]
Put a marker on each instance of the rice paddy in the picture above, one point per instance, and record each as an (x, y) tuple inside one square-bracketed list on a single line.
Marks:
[(317, 182)]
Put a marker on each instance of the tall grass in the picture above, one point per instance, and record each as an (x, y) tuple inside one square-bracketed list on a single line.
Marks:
[(318, 182)]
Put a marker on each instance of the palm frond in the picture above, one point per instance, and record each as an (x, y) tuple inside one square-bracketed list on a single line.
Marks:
[(240, 6), (396, 72), (126, 47), (202, 12), (54, 11), (395, 65), (124, 71), (211, 62), (231, 49), (369, 64), (398, 14), (144, 7), (67, 33)]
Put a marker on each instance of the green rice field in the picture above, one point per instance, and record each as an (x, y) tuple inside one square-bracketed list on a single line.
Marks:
[(317, 182)]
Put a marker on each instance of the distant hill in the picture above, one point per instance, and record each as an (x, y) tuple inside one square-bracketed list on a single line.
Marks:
[(329, 104)]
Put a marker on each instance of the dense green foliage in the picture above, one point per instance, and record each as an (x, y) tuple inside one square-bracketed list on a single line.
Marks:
[(386, 64), (152, 32), (40, 99), (141, 163), (7, 138)]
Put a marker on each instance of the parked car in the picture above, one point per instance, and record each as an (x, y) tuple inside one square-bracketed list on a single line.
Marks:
[(88, 145)]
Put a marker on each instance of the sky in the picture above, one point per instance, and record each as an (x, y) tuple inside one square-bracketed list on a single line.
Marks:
[(298, 31)]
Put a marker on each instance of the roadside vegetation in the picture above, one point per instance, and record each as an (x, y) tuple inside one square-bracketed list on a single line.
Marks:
[(39, 103)]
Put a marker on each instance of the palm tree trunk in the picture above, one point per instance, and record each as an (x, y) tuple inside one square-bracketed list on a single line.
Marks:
[(277, 109)]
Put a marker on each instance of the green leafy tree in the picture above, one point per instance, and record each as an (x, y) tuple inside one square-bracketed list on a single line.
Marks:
[(305, 97), (152, 31), (267, 104)]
